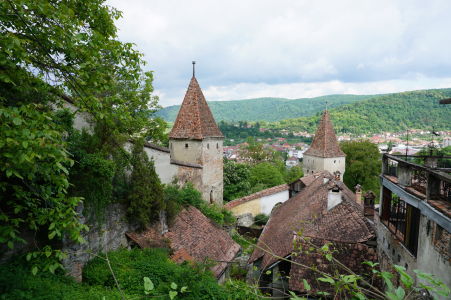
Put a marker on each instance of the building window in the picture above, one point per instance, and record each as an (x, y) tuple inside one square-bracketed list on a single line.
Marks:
[(217, 145), (186, 146), (335, 161), (208, 146), (401, 219)]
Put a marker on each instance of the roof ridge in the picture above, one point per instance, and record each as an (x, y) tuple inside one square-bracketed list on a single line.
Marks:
[(325, 142), (194, 119)]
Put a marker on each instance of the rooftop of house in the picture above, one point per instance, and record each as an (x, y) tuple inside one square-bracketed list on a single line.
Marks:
[(192, 236), (195, 120), (325, 141), (307, 212), (269, 191)]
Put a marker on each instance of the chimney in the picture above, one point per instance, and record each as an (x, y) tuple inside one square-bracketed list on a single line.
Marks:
[(333, 197), (358, 194), (368, 209)]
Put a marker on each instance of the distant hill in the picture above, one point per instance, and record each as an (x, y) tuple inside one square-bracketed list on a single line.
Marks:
[(268, 109), (389, 112)]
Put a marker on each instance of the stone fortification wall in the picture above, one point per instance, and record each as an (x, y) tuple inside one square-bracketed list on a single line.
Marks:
[(108, 236), (212, 175), (162, 160), (313, 164)]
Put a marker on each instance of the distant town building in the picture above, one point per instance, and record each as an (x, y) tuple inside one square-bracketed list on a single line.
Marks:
[(292, 161)]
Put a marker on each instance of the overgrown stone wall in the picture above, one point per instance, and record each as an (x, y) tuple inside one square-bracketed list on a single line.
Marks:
[(108, 236)]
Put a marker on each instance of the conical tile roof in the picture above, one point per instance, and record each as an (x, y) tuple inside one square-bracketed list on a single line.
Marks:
[(194, 120), (325, 141)]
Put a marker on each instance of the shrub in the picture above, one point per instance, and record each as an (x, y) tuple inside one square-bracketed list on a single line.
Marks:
[(130, 267), (17, 283), (145, 199), (188, 195), (261, 219), (92, 174)]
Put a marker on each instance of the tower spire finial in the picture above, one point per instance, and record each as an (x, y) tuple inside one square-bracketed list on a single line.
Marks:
[(194, 68)]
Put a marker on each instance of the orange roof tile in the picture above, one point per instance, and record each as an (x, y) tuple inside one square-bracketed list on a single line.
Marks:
[(194, 120), (307, 211), (193, 237), (325, 142)]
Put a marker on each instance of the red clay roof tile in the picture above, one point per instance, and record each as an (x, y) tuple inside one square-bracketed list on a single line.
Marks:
[(325, 142), (307, 212), (193, 236), (194, 120)]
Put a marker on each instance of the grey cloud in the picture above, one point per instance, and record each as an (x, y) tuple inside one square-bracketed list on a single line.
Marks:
[(286, 42)]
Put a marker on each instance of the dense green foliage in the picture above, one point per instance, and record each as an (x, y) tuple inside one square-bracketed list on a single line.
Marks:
[(392, 112), (242, 179), (363, 165), (56, 54), (267, 109), (261, 219), (129, 267), (188, 195), (265, 175), (366, 114), (145, 199), (17, 283), (236, 180), (92, 174), (240, 132)]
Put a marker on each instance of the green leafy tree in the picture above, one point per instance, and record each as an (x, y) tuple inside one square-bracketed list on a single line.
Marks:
[(363, 165), (56, 54), (265, 175), (145, 199), (293, 174), (236, 180)]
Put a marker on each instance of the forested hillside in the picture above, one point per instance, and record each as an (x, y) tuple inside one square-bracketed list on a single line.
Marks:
[(267, 109), (392, 112)]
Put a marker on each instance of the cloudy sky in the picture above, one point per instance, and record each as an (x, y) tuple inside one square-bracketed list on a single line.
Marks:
[(290, 48)]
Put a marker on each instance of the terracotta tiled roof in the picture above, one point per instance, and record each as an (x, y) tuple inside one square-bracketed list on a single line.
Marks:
[(193, 236), (307, 210), (350, 254), (325, 142), (263, 193), (194, 120)]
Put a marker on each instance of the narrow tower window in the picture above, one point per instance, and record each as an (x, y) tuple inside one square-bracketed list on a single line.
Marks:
[(186, 146), (217, 146), (208, 146)]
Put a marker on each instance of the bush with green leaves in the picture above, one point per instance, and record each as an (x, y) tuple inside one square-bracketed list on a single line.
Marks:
[(55, 54), (261, 219), (17, 283), (163, 276), (145, 198), (188, 195)]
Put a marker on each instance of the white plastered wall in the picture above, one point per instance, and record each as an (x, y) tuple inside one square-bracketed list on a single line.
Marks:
[(313, 164)]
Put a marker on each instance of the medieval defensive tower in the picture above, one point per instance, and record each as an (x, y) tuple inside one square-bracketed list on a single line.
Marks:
[(196, 140), (324, 152)]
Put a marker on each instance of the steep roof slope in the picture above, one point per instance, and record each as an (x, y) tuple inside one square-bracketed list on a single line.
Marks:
[(325, 141), (192, 236), (307, 212), (194, 120)]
